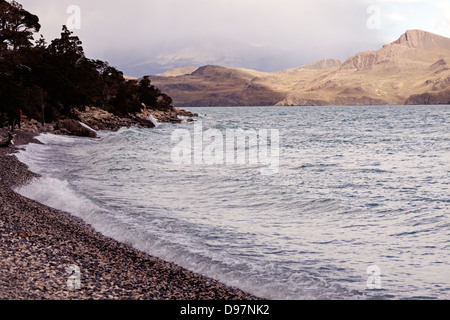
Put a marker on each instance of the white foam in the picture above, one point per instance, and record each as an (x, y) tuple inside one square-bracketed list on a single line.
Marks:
[(154, 120), (167, 237), (57, 194), (50, 138), (86, 126), (38, 157)]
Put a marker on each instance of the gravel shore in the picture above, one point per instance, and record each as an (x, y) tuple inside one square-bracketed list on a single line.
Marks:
[(38, 244)]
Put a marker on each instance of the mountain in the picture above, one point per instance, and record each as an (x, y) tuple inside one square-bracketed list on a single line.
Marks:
[(218, 86), (414, 69), (323, 64), (422, 39), (178, 72)]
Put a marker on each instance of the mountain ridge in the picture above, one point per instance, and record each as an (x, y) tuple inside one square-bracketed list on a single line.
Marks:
[(412, 69)]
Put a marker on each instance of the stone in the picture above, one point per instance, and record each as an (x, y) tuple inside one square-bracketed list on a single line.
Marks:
[(75, 128), (4, 143)]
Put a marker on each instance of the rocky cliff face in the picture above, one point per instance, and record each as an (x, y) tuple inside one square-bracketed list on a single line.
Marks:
[(441, 97), (368, 59), (422, 39)]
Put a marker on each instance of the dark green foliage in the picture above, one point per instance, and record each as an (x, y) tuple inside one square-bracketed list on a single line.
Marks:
[(50, 82), (16, 26), (16, 29)]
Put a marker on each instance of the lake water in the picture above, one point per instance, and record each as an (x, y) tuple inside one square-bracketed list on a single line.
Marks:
[(357, 208)]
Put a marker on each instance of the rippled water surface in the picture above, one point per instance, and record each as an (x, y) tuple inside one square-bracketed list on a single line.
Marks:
[(357, 187)]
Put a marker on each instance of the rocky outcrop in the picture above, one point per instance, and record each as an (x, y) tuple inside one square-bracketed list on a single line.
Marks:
[(75, 128), (368, 59), (99, 119), (86, 123), (438, 64), (441, 84), (352, 91), (338, 101), (360, 101), (6, 141), (301, 101), (439, 67), (422, 39), (361, 60), (429, 98), (410, 40), (169, 116)]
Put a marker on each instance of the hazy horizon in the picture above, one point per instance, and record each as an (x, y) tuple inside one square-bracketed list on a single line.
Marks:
[(150, 37)]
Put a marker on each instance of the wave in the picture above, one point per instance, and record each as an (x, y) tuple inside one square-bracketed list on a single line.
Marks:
[(86, 126), (308, 232), (161, 231), (183, 250), (60, 195), (153, 120)]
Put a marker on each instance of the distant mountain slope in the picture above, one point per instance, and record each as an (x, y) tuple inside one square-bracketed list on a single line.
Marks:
[(178, 72), (422, 39), (323, 64), (413, 69)]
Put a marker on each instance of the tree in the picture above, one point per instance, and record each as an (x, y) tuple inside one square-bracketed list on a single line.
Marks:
[(16, 32), (36, 103), (112, 81), (147, 93), (11, 98), (164, 102), (152, 97), (51, 82), (68, 46), (41, 43), (16, 26), (74, 79), (127, 99)]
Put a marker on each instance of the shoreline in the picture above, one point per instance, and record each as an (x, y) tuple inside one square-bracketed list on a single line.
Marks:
[(39, 243)]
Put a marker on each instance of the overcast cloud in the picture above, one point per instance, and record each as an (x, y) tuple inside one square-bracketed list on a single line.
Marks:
[(151, 36)]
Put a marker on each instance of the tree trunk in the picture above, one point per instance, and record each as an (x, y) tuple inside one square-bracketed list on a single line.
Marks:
[(43, 108)]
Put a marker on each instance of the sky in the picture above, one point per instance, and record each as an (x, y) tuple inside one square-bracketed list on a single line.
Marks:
[(142, 37)]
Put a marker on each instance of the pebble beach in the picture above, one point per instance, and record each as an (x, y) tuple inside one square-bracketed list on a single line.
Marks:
[(39, 245)]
